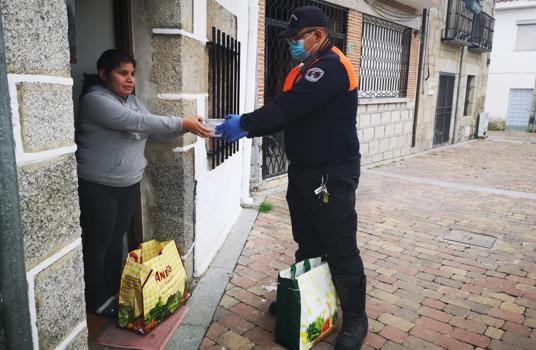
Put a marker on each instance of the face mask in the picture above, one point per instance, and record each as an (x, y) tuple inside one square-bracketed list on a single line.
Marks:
[(297, 49)]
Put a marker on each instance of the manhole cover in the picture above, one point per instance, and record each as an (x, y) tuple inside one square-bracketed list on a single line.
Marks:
[(470, 238)]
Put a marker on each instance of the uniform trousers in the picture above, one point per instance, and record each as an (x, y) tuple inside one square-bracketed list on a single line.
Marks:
[(326, 229)]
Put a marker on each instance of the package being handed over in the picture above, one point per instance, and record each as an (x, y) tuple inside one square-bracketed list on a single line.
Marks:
[(153, 285)]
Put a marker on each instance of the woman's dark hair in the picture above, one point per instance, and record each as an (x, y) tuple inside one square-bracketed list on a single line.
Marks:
[(108, 60)]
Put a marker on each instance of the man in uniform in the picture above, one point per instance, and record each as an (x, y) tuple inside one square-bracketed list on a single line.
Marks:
[(317, 112)]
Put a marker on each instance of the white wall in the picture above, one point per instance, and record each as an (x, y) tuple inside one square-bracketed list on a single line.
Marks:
[(509, 69), (95, 33), (220, 192)]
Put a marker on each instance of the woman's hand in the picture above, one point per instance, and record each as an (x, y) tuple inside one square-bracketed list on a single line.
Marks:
[(194, 125)]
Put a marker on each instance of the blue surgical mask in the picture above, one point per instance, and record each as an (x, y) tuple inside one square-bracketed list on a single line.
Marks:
[(297, 50)]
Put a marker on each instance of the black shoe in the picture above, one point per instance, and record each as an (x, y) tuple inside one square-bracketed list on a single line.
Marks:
[(110, 311), (352, 291), (273, 308)]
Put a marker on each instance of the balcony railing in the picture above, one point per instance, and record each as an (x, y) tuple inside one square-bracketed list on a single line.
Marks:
[(466, 28), (482, 33), (459, 23)]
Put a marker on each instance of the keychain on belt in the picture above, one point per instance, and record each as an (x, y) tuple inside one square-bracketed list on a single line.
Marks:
[(322, 191)]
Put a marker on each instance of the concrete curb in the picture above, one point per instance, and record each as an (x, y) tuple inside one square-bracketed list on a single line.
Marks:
[(208, 292)]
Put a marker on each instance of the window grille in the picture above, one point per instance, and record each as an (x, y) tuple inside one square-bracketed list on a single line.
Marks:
[(224, 95), (469, 95), (385, 48)]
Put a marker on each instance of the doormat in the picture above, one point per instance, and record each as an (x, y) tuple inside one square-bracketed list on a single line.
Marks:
[(123, 338), (471, 238)]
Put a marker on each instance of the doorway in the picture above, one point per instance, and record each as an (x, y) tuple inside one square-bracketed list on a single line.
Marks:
[(518, 113), (96, 26), (443, 112)]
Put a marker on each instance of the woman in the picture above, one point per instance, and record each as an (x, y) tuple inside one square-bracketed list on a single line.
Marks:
[(111, 130)]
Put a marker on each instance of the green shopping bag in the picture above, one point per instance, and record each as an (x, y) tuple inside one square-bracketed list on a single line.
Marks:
[(306, 304)]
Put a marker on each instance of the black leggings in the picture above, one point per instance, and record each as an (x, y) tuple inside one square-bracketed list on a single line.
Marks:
[(105, 214)]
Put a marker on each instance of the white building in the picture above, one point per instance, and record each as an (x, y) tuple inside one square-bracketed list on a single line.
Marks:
[(512, 71)]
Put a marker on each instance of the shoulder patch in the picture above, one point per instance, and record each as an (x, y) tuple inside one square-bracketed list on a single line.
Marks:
[(314, 74)]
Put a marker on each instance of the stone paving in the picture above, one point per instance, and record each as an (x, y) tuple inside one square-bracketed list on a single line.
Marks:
[(424, 292)]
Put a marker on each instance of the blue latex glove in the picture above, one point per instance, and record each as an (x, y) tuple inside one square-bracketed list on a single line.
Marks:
[(231, 130)]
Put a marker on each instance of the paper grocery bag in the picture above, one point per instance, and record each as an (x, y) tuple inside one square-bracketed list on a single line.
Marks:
[(153, 285), (306, 304)]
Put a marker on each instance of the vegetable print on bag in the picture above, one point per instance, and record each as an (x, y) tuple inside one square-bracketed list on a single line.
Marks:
[(153, 286)]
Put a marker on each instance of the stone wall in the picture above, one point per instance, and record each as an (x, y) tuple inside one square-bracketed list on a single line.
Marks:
[(174, 78), (385, 129), (441, 57), (40, 91)]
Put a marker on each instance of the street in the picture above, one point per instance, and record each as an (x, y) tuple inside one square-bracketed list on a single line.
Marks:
[(424, 291)]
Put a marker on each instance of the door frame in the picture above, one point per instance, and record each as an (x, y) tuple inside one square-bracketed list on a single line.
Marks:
[(508, 110), (123, 40), (444, 74)]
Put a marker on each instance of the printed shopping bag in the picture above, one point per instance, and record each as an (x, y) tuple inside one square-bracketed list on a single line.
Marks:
[(306, 304), (153, 285)]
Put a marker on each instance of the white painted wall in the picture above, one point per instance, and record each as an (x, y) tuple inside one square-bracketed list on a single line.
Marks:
[(509, 69), (95, 33), (220, 192)]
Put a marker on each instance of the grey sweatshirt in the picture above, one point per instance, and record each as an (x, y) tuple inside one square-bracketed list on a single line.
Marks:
[(111, 132)]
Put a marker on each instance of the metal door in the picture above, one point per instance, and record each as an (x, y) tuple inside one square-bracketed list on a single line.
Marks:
[(443, 109), (517, 115), (278, 64)]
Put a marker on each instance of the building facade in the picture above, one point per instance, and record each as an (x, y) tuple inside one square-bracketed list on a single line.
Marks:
[(381, 39), (206, 58), (193, 58), (512, 72), (457, 43), (388, 43)]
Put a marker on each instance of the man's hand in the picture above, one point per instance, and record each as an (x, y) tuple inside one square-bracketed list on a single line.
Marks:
[(195, 126), (231, 130)]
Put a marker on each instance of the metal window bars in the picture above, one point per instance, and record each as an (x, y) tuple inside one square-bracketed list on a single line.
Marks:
[(224, 95), (459, 23), (482, 32), (465, 28), (385, 49)]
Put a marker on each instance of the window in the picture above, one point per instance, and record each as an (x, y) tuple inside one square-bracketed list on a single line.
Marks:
[(384, 67), (526, 35), (224, 80), (469, 95)]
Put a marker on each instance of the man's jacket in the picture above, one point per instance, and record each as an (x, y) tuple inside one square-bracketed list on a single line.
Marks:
[(317, 112)]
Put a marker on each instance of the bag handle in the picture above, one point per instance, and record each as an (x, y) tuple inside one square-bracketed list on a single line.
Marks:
[(306, 268), (306, 265)]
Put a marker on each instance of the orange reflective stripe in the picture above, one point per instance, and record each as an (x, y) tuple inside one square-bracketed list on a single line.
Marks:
[(349, 69), (291, 78)]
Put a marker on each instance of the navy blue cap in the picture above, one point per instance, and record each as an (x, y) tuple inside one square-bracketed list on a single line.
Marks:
[(303, 17)]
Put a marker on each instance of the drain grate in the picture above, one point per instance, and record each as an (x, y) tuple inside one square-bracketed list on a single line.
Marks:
[(470, 238)]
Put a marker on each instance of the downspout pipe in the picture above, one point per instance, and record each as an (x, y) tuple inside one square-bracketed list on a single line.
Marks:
[(419, 78), (250, 96), (14, 309), (457, 96)]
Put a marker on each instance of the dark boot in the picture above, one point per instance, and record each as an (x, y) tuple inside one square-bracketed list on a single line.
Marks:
[(273, 307), (352, 293)]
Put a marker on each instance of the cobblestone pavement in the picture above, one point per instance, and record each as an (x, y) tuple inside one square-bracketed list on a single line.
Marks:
[(424, 292)]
